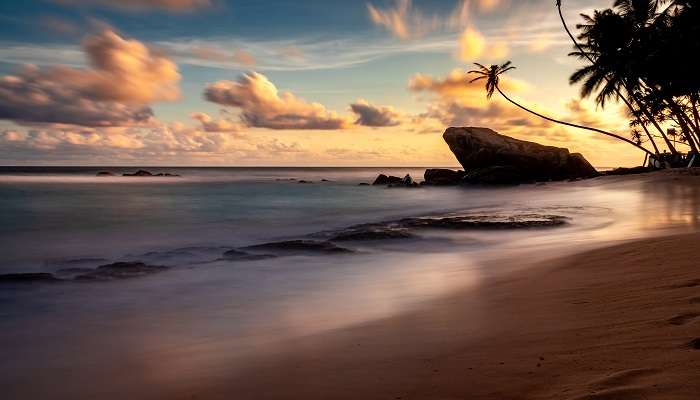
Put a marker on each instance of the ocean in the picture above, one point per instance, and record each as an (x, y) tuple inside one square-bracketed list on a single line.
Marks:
[(205, 313)]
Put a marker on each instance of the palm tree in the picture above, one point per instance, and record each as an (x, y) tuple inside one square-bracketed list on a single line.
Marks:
[(492, 76), (616, 87)]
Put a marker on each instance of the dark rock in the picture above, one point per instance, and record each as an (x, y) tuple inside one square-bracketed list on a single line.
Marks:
[(104, 173), (28, 277), (237, 255), (363, 184), (325, 180), (387, 180), (166, 174), (74, 271), (121, 270), (479, 148), (485, 221), (628, 171), (372, 232), (140, 172), (694, 344), (303, 181), (442, 177), (299, 247), (497, 175)]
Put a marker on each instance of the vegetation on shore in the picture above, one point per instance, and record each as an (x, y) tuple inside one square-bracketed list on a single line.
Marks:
[(636, 53)]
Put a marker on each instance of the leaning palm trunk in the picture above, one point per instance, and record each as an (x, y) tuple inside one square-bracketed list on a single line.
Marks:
[(624, 139), (646, 113), (682, 120)]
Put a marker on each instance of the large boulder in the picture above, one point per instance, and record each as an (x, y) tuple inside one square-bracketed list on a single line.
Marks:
[(442, 177), (482, 148)]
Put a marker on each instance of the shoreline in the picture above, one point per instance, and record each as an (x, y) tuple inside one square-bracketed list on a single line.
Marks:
[(614, 323)]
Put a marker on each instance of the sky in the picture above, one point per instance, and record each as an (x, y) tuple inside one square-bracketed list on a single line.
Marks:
[(284, 83)]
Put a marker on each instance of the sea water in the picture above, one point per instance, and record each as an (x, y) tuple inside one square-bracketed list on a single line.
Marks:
[(205, 314)]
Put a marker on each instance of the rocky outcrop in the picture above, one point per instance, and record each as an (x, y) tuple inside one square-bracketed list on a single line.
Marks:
[(121, 270), (144, 173), (27, 277), (386, 180), (480, 150), (302, 246), (442, 177)]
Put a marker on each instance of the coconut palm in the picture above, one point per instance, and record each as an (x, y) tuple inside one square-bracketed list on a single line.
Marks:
[(617, 89), (492, 76)]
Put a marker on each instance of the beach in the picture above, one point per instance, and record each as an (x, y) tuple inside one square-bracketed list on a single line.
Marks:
[(479, 301), (614, 323)]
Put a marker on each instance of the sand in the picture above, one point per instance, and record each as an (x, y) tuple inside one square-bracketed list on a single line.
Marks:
[(617, 323)]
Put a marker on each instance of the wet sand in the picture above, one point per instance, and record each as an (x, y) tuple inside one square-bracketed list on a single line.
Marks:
[(616, 323)]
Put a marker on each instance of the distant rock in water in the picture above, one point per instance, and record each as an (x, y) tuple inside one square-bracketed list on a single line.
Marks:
[(28, 277), (302, 246), (121, 270), (480, 149), (442, 177), (387, 180), (104, 173), (144, 173), (395, 181)]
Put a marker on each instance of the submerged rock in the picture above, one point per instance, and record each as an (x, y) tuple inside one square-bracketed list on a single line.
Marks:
[(121, 270), (104, 173), (372, 232), (479, 148), (442, 177), (28, 277), (302, 246), (485, 221), (237, 255)]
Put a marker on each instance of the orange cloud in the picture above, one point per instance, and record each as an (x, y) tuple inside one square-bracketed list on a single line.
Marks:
[(262, 105), (406, 22), (125, 77)]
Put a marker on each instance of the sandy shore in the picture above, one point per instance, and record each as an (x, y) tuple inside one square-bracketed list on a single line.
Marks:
[(617, 323)]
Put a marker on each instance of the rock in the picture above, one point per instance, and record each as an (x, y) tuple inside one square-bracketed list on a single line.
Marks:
[(325, 180), (517, 221), (104, 173), (494, 176), (166, 175), (407, 180), (237, 255), (121, 270), (28, 277), (140, 172), (387, 180), (299, 247), (303, 181), (371, 232), (442, 177), (479, 148), (363, 184), (627, 171), (694, 344)]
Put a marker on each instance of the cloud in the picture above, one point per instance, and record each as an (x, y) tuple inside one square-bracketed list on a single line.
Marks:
[(137, 5), (240, 57), (473, 45), (406, 22), (124, 77), (263, 106), (209, 124), (455, 87), (376, 116), (59, 25)]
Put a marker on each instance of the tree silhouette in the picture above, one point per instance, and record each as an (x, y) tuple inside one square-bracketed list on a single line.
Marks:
[(492, 76)]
